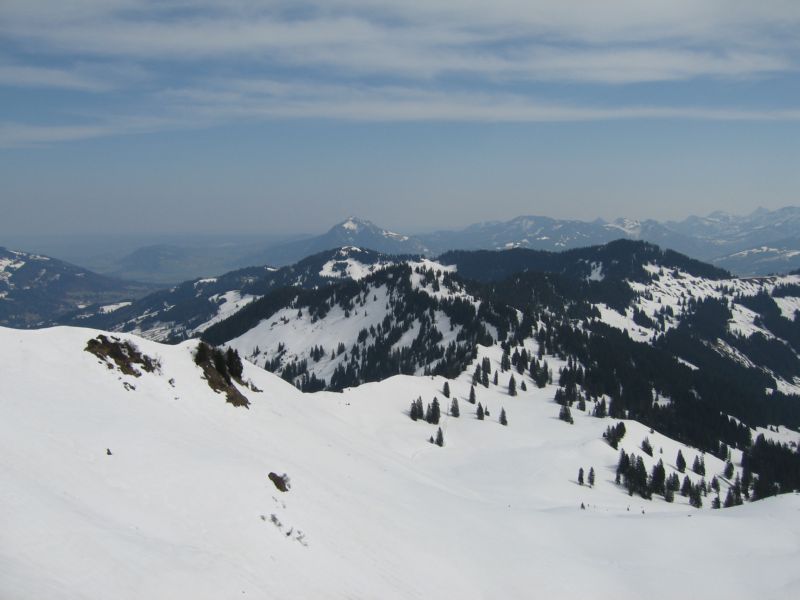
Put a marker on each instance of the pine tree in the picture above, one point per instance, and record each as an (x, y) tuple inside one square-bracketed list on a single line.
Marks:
[(658, 479), (439, 437), (600, 409), (503, 419), (669, 495), (234, 363), (686, 488), (646, 447), (203, 353), (522, 386), (435, 412), (565, 414), (680, 462), (480, 412), (454, 410), (591, 477), (413, 412), (472, 394), (494, 381), (729, 500), (728, 470), (512, 386), (446, 389), (580, 476), (476, 376)]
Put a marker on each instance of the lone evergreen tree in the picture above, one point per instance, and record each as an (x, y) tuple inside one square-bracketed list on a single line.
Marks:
[(580, 476), (472, 394), (680, 462), (446, 390), (454, 410), (591, 477), (512, 386), (503, 419), (522, 386), (565, 414), (439, 437), (480, 412), (494, 381)]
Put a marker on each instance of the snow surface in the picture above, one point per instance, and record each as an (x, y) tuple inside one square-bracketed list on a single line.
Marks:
[(109, 308), (182, 508)]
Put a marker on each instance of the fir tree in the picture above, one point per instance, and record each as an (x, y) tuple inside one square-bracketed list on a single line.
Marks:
[(413, 412), (729, 501), (580, 476), (503, 419), (522, 386), (646, 447), (234, 363), (439, 437), (454, 410), (203, 353), (600, 409), (591, 477), (686, 488), (472, 394), (434, 413), (479, 413), (669, 495), (680, 462), (658, 479), (565, 414), (494, 381), (512, 386), (446, 389), (728, 470)]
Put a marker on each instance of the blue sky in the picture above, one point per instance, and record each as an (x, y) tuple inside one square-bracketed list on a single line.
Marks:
[(179, 115)]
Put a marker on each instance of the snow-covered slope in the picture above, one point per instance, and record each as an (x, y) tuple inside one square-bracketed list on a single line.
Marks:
[(400, 314), (190, 308), (155, 487)]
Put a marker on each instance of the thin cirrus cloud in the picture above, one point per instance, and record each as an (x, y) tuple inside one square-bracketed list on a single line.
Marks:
[(370, 60)]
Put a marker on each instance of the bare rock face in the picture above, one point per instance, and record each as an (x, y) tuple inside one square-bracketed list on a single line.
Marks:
[(127, 357), (281, 481)]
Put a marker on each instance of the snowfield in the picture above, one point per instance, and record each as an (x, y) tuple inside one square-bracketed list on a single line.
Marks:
[(182, 506)]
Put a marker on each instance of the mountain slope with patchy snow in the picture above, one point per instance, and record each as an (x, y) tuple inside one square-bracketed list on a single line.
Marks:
[(35, 290)]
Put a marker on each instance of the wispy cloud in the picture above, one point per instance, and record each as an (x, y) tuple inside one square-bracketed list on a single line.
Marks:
[(43, 77), (337, 58)]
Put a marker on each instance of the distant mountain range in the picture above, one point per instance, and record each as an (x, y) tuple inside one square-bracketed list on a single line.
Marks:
[(756, 244)]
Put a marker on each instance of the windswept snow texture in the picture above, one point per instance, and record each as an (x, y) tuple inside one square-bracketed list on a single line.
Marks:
[(124, 487)]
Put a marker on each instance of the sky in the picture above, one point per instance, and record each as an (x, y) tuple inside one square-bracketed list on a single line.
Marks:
[(189, 116)]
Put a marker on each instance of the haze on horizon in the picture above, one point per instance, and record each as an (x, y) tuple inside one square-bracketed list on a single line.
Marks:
[(181, 117)]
